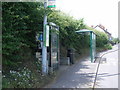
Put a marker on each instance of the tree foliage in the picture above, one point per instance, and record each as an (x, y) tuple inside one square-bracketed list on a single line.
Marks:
[(68, 25), (20, 22), (116, 40), (101, 37)]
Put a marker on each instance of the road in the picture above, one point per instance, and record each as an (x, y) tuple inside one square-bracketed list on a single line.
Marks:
[(108, 72)]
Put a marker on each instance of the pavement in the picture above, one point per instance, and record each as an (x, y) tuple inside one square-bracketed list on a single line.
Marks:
[(79, 75)]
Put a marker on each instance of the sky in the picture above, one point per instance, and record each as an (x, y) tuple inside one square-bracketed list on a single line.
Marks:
[(94, 12)]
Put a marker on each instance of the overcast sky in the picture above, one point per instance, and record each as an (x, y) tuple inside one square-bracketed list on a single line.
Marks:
[(94, 12)]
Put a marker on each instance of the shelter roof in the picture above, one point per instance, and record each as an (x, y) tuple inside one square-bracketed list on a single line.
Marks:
[(84, 31)]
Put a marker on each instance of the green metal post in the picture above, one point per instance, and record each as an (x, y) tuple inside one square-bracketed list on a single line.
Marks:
[(95, 45), (91, 49)]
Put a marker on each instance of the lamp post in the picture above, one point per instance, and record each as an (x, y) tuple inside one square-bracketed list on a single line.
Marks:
[(44, 48), (51, 4)]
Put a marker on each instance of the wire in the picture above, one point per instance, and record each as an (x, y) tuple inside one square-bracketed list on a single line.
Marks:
[(99, 65)]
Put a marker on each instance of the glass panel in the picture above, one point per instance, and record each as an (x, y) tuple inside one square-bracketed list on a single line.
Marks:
[(54, 49), (93, 46)]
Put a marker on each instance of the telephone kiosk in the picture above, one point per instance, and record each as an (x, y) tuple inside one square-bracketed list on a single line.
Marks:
[(53, 48)]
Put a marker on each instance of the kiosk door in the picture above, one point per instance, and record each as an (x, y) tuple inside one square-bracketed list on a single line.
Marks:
[(54, 50)]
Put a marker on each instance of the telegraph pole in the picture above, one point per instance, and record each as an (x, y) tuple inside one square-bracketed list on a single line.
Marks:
[(44, 48)]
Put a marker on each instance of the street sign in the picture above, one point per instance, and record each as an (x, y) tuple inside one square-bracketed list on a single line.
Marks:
[(51, 3), (40, 37)]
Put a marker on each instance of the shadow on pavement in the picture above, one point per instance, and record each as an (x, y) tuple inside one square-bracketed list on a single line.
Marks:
[(79, 75)]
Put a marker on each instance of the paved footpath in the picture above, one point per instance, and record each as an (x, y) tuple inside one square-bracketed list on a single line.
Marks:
[(79, 75)]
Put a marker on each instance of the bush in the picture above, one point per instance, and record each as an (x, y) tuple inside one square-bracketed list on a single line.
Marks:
[(20, 22), (101, 38), (108, 46)]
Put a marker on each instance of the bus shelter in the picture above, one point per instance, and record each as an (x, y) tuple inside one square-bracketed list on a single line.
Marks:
[(92, 42)]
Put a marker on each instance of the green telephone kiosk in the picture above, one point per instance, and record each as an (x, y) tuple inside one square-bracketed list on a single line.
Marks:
[(53, 49)]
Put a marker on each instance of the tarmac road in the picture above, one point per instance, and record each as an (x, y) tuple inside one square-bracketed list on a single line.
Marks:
[(108, 72)]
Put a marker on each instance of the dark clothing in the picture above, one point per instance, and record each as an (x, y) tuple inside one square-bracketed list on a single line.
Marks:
[(70, 55)]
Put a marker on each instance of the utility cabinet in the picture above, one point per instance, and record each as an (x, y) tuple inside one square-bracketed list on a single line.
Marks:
[(52, 44)]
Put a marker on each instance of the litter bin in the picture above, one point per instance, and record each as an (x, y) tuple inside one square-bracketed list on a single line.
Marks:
[(70, 54)]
